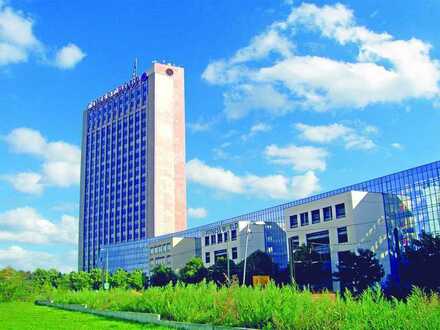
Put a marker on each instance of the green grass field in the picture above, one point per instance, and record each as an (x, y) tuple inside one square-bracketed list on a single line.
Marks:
[(23, 316)]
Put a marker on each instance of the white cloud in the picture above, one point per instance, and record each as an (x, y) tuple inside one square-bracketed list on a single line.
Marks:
[(244, 98), (352, 138), (262, 45), (281, 187), (26, 182), (25, 225), (255, 129), (300, 158), (197, 213), (277, 80), (213, 177), (322, 134), (69, 56), (220, 153), (61, 161), (26, 141), (28, 260), (200, 126), (272, 186), (397, 146), (18, 41)]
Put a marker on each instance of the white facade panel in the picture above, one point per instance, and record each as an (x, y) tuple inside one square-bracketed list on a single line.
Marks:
[(364, 220)]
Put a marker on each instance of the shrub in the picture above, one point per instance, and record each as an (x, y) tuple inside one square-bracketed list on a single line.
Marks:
[(269, 307), (15, 285)]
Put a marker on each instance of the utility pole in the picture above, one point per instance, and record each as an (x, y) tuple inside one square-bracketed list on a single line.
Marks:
[(106, 284), (245, 252), (227, 255), (292, 262)]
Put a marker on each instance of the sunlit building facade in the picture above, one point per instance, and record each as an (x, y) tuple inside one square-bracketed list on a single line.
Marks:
[(410, 202), (133, 165), (334, 226)]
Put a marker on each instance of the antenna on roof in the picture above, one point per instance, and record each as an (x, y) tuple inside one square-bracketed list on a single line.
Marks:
[(135, 67)]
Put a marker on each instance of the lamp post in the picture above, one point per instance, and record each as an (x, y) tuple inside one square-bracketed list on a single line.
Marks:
[(292, 264), (228, 238), (292, 259), (106, 284), (248, 231)]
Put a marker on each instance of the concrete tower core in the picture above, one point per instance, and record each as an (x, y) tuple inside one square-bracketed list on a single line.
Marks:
[(133, 183), (166, 127)]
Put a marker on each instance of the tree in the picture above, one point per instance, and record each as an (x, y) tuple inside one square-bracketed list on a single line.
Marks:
[(96, 278), (359, 271), (79, 280), (119, 279), (40, 277), (308, 268), (14, 285), (162, 275), (218, 272), (63, 282), (416, 267), (136, 280), (193, 272), (46, 278), (258, 263)]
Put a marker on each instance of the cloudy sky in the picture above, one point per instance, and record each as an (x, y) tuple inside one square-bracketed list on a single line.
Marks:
[(283, 100)]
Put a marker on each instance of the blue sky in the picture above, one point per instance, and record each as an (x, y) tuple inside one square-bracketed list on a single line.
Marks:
[(283, 100)]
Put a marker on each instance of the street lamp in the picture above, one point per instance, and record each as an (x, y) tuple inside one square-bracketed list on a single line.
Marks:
[(106, 284), (292, 259), (227, 255), (248, 231)]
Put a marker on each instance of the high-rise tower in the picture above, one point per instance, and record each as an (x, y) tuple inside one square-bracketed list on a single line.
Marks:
[(133, 163)]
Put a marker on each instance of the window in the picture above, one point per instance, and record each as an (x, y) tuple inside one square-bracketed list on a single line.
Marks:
[(340, 210), (342, 235), (294, 243), (293, 221), (233, 234), (207, 257), (219, 238), (316, 217), (225, 236), (234, 253), (343, 255), (220, 254), (304, 219), (213, 239), (328, 214)]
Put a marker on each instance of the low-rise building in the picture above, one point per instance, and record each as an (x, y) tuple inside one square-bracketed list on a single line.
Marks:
[(173, 252), (231, 240), (337, 224)]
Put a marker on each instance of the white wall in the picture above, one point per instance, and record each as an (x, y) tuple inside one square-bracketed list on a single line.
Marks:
[(364, 219), (256, 241)]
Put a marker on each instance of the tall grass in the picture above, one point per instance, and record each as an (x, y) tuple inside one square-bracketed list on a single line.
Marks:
[(270, 307)]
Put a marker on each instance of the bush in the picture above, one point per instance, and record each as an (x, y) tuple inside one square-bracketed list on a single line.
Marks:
[(193, 272), (15, 285), (269, 307), (119, 279), (162, 275)]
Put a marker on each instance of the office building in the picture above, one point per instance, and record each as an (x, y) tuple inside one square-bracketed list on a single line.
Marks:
[(410, 202), (335, 225), (133, 164), (173, 252), (232, 239)]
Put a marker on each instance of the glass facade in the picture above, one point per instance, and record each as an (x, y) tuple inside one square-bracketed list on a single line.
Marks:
[(129, 256), (411, 203), (114, 173)]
